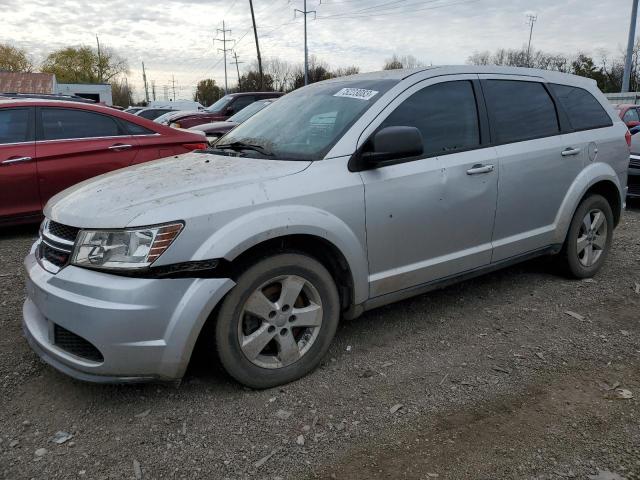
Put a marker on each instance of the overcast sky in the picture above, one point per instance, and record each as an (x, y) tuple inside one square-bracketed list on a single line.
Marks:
[(175, 37)]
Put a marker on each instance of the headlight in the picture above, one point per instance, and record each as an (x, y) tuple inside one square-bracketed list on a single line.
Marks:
[(174, 125), (126, 248)]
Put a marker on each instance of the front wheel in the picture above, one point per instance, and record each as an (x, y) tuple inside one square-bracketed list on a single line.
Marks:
[(278, 321), (589, 238)]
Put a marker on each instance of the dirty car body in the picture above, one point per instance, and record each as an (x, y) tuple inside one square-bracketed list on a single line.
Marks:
[(318, 177)]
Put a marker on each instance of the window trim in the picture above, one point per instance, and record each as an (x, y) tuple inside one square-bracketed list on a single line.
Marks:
[(560, 119), (484, 132), (40, 128), (31, 128)]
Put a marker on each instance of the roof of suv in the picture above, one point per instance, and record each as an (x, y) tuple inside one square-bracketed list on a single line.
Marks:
[(436, 71)]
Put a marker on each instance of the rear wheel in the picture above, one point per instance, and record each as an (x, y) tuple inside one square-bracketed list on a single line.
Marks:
[(589, 238), (278, 321)]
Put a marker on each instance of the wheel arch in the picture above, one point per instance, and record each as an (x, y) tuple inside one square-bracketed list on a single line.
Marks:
[(597, 178)]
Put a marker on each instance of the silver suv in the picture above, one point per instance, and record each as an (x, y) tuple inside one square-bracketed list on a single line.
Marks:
[(342, 196)]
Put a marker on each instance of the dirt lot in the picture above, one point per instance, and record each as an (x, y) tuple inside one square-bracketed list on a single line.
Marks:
[(488, 379)]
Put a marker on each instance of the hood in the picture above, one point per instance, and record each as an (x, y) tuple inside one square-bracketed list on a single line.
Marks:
[(115, 199), (182, 115), (215, 127)]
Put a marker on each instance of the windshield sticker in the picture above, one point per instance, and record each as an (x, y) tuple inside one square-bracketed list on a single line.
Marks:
[(360, 93)]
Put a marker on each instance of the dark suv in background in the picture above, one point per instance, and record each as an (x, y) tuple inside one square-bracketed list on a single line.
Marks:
[(220, 110)]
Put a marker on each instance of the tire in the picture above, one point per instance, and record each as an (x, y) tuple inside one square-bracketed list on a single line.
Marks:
[(257, 311), (579, 262)]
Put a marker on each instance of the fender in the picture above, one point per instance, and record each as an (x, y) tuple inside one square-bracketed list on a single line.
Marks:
[(264, 224), (589, 176)]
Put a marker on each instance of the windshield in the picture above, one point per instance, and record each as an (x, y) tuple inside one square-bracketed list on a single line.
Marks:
[(249, 111), (220, 104), (306, 123)]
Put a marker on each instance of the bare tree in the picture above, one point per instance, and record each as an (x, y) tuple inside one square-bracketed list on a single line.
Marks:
[(405, 61)]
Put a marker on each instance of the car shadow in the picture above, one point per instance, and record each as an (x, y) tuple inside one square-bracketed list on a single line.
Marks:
[(633, 204)]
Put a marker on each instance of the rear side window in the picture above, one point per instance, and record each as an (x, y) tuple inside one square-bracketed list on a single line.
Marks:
[(64, 123), (14, 125), (520, 110), (242, 102), (446, 115), (135, 129), (631, 115), (583, 110)]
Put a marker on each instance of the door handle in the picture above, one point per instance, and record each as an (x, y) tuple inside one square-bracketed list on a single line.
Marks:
[(477, 169), (9, 161), (120, 146), (570, 151)]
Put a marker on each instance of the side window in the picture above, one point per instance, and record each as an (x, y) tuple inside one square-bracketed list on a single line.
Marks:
[(61, 123), (631, 115), (520, 110), (446, 114), (583, 110), (242, 102), (135, 129), (14, 125)]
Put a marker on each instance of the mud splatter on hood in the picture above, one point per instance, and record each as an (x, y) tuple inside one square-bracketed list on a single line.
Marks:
[(116, 198)]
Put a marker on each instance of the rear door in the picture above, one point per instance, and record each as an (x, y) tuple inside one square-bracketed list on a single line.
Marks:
[(537, 165), (73, 145), (18, 180)]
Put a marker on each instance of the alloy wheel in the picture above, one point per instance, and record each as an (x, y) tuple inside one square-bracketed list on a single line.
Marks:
[(592, 237), (280, 321)]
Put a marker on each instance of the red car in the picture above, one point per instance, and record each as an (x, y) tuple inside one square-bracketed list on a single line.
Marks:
[(49, 145), (220, 110), (630, 114)]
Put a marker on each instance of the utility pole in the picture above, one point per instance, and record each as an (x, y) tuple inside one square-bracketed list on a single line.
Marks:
[(255, 33), (146, 88), (305, 12), (224, 50), (630, 42), (129, 97), (153, 90), (235, 56), (173, 86), (531, 20), (99, 61)]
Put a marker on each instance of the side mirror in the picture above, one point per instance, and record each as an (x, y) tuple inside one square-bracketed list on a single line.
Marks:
[(632, 124), (634, 130), (230, 111), (393, 143)]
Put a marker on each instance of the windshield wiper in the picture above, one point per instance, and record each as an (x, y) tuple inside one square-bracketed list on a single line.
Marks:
[(244, 146)]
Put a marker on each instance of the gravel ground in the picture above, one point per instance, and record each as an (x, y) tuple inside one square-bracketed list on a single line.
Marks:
[(488, 379)]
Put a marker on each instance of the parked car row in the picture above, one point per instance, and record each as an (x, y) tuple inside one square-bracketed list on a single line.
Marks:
[(219, 111), (630, 115), (49, 145)]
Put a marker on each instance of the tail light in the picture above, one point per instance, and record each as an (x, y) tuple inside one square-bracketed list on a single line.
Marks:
[(627, 137), (195, 146)]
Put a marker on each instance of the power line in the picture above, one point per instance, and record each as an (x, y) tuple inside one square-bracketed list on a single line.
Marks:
[(386, 14)]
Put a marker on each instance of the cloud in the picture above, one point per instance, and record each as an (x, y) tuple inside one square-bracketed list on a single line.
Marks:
[(175, 38)]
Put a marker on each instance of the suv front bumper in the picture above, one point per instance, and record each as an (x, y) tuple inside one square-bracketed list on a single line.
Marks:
[(144, 329)]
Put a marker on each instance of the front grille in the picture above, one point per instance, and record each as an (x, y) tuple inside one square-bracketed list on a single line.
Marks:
[(56, 245), (62, 231), (75, 344)]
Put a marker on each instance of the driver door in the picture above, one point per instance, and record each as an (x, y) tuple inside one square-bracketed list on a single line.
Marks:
[(431, 217)]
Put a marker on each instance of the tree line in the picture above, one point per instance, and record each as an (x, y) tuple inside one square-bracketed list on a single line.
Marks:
[(84, 64)]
